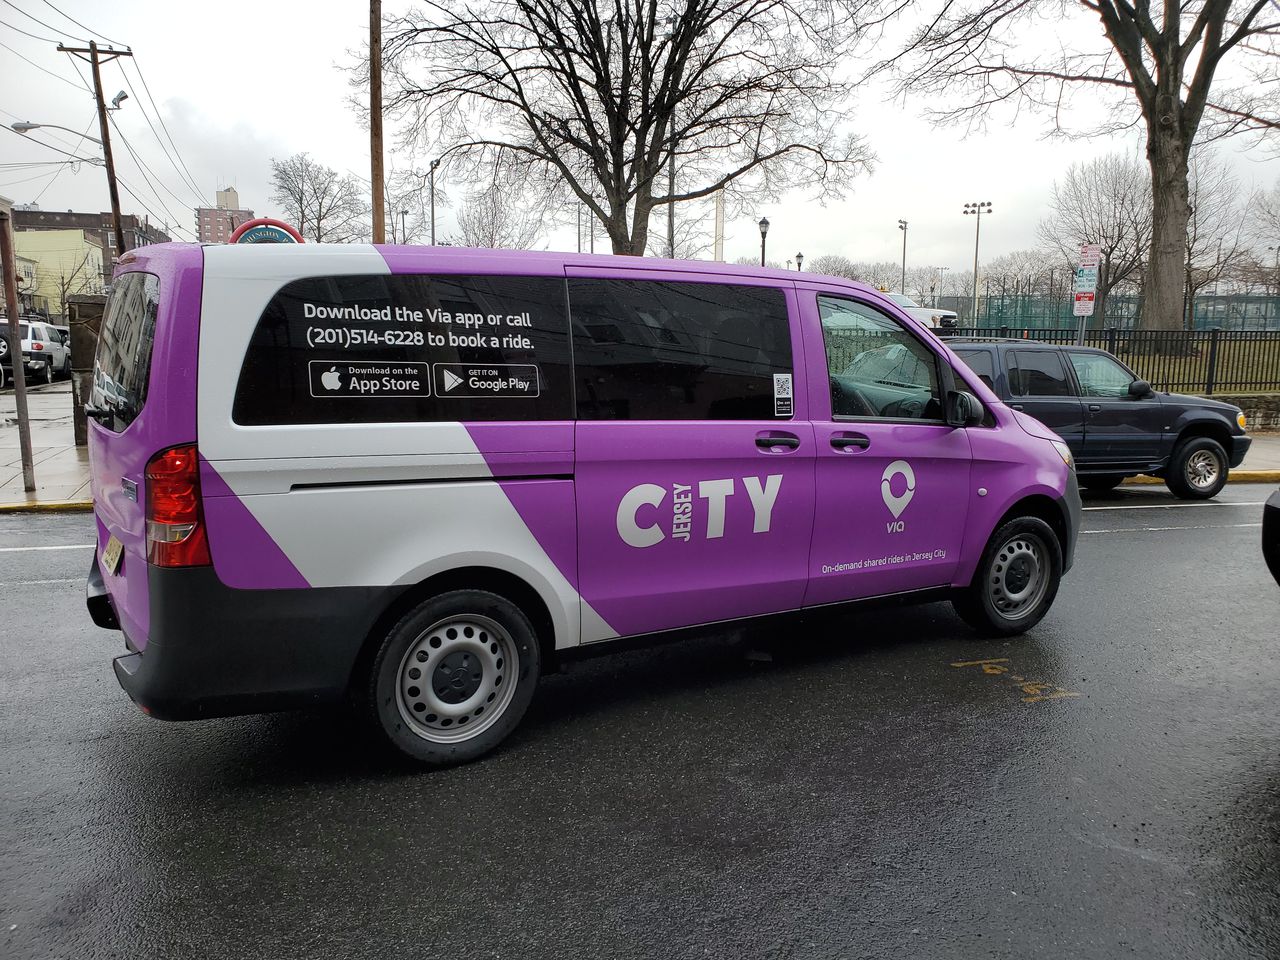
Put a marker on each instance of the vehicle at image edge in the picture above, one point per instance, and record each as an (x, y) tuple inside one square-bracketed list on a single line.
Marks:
[(1271, 534), (46, 353), (1114, 423), (934, 318), (416, 476)]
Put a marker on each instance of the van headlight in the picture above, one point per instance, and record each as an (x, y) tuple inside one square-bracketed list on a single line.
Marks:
[(1240, 418), (1063, 451)]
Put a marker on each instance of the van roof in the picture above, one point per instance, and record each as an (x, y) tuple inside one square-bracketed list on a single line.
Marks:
[(451, 258)]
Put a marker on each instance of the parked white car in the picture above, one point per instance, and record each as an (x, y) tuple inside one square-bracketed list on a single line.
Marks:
[(45, 350), (931, 317)]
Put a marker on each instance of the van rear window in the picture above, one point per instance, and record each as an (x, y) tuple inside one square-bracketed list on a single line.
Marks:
[(386, 349), (122, 365)]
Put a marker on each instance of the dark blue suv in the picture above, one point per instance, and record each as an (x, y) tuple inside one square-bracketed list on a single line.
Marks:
[(1114, 423)]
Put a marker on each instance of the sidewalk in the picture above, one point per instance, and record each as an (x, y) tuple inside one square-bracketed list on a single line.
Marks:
[(62, 468)]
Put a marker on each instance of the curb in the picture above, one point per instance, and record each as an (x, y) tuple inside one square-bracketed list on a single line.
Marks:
[(47, 506), (1235, 476)]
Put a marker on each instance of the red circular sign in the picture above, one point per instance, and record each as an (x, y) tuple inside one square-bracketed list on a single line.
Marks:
[(264, 230)]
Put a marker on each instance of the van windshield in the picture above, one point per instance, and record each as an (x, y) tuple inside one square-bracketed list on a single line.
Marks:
[(122, 364)]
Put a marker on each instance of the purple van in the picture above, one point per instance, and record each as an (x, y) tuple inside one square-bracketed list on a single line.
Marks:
[(416, 476)]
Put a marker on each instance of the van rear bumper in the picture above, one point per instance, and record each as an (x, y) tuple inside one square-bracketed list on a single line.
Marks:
[(213, 651)]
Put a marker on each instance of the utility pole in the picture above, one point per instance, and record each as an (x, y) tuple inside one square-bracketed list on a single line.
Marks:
[(671, 207), (404, 230), (9, 264), (95, 60), (432, 174), (375, 120), (718, 247)]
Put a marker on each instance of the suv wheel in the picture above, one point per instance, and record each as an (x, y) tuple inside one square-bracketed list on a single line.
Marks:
[(455, 676), (1016, 580), (1197, 470), (48, 371)]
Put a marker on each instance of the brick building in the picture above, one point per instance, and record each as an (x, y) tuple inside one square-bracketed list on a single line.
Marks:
[(216, 224), (137, 232)]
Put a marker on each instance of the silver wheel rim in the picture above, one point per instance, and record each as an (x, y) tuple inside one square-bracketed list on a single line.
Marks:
[(1202, 469), (1019, 576), (457, 678)]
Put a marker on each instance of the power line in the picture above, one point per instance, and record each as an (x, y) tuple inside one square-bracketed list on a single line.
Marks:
[(61, 170), (164, 126), (38, 67), (158, 218), (25, 33), (81, 25), (145, 116), (144, 169), (9, 3), (93, 160)]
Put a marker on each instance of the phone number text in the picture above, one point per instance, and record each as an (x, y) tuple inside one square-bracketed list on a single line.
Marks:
[(346, 337)]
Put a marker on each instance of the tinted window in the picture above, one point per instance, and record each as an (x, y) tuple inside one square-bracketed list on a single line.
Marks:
[(122, 364), (652, 350), (24, 331), (877, 369), (979, 361), (381, 349), (1037, 373), (1100, 376)]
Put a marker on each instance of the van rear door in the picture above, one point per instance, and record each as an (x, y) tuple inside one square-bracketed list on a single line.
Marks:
[(118, 449)]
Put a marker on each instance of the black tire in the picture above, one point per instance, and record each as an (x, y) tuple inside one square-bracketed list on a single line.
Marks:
[(48, 371), (66, 366), (425, 687), (1017, 544), (1101, 484), (1197, 470)]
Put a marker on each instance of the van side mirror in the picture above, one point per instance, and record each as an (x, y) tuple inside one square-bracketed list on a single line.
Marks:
[(1139, 389), (964, 409)]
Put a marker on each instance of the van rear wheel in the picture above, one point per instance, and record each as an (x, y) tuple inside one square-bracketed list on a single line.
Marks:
[(454, 676), (1016, 580)]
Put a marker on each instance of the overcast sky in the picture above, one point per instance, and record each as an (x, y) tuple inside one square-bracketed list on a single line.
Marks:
[(240, 82)]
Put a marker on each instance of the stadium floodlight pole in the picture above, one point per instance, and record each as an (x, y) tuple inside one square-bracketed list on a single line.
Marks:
[(902, 285), (976, 209), (764, 232)]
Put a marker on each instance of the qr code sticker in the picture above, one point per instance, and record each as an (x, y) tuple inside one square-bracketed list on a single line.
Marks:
[(782, 384)]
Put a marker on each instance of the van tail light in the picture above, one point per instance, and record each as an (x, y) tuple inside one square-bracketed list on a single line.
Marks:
[(175, 518)]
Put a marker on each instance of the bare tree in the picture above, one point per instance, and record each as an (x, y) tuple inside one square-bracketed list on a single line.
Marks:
[(1158, 67), (599, 96), (1106, 201), (1217, 244), (325, 206), (499, 217), (82, 275)]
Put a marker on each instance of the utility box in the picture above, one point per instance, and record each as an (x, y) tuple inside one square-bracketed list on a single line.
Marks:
[(84, 316)]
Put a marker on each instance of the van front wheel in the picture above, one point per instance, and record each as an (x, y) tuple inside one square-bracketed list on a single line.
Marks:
[(455, 676), (1016, 580)]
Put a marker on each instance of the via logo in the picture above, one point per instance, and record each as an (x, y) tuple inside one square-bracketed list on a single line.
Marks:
[(897, 503)]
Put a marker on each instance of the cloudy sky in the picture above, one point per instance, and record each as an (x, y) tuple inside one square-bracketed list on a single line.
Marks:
[(240, 82)]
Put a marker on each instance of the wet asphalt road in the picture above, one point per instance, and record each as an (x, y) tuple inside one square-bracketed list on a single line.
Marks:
[(858, 796)]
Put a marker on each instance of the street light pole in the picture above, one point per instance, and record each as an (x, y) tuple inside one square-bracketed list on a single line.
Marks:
[(764, 232), (902, 286), (799, 261), (976, 209), (432, 174)]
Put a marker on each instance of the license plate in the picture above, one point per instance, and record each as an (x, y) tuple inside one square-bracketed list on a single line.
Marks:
[(111, 555)]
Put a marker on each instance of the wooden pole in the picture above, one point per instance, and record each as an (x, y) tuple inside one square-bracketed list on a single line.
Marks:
[(375, 119), (9, 263)]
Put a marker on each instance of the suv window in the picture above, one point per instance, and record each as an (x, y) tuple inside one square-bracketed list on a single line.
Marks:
[(1100, 376), (980, 362), (394, 349), (877, 369), (659, 350), (1037, 373), (122, 364)]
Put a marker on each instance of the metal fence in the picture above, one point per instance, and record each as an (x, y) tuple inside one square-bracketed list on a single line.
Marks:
[(1236, 311), (1182, 361)]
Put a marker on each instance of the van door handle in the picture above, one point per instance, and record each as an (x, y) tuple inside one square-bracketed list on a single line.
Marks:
[(843, 443), (768, 443), (1016, 406)]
